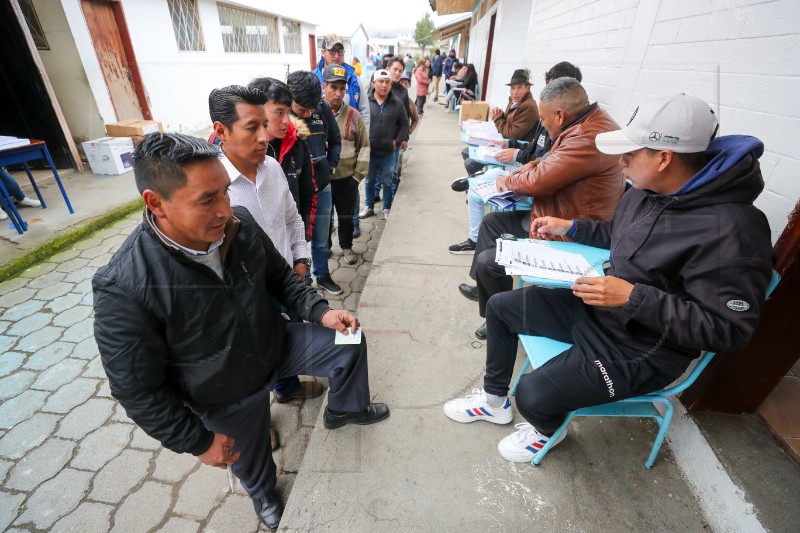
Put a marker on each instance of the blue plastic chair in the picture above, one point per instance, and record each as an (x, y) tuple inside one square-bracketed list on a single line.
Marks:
[(539, 350)]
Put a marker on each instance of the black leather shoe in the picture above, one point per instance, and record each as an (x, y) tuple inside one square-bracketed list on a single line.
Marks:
[(480, 333), (269, 510), (470, 292), (460, 184), (375, 412)]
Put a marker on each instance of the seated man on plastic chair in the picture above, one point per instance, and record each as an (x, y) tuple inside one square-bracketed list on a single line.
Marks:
[(691, 262), (515, 150)]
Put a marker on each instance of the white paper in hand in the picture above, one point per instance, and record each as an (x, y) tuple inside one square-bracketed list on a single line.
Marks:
[(352, 338)]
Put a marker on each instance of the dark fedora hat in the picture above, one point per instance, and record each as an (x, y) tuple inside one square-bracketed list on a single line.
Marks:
[(521, 75)]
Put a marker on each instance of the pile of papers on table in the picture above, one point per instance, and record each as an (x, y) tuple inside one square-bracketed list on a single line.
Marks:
[(12, 142), (487, 191)]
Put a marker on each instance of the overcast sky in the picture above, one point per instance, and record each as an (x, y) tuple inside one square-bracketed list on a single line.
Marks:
[(378, 16)]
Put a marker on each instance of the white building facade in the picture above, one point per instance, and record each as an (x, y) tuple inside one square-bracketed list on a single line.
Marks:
[(738, 56), (182, 49)]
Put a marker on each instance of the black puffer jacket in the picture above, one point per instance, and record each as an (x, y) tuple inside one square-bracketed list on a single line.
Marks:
[(172, 334), (700, 259)]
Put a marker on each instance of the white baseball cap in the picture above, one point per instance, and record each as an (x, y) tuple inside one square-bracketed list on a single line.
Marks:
[(681, 123), (382, 73)]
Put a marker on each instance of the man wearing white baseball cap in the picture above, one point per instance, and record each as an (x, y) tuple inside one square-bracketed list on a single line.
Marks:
[(690, 264)]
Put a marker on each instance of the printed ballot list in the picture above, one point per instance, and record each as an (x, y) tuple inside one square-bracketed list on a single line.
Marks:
[(537, 259)]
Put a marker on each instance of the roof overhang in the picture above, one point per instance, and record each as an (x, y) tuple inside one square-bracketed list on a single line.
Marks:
[(452, 29), (448, 7)]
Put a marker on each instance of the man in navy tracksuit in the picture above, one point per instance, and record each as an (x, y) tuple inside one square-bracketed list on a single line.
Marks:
[(691, 259)]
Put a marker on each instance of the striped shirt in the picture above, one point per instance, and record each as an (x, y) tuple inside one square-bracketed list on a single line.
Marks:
[(272, 206)]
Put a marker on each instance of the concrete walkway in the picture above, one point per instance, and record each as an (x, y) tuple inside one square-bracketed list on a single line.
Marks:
[(419, 471)]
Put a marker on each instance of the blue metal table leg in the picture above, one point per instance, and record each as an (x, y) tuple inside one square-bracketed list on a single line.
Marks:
[(58, 179), (33, 182), (11, 209)]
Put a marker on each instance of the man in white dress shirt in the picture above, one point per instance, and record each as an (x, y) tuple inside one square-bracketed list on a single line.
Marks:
[(258, 184)]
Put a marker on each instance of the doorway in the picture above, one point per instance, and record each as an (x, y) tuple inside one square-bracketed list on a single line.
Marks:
[(109, 31), (488, 59), (312, 49)]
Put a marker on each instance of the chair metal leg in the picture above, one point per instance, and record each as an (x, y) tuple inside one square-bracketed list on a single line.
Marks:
[(58, 179), (539, 457), (33, 182), (662, 431), (524, 369)]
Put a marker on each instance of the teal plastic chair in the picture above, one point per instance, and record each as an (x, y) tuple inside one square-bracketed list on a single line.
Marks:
[(539, 350)]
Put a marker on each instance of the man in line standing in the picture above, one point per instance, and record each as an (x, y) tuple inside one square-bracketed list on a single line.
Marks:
[(436, 67), (325, 145), (354, 160), (388, 130), (333, 54), (187, 335)]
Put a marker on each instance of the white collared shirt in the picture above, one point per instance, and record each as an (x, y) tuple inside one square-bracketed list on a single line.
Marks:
[(270, 203)]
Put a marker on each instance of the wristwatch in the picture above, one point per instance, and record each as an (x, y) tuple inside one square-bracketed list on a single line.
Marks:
[(303, 261)]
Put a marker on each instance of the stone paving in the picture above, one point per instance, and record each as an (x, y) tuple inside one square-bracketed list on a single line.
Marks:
[(70, 459)]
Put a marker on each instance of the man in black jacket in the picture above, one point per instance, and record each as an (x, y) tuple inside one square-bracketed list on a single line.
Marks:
[(325, 143), (187, 335), (691, 260), (388, 130)]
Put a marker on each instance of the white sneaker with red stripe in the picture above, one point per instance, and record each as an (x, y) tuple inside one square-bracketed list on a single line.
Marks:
[(475, 407), (523, 444)]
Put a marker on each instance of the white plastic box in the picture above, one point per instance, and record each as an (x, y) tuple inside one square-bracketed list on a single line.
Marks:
[(110, 155)]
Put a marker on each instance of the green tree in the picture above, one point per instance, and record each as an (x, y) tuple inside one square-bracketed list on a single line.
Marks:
[(423, 33)]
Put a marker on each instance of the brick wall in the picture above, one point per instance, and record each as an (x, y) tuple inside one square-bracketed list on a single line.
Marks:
[(735, 54)]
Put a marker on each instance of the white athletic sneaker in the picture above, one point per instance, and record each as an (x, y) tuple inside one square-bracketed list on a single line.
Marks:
[(523, 444), (366, 212), (475, 407), (30, 202), (3, 215), (386, 214)]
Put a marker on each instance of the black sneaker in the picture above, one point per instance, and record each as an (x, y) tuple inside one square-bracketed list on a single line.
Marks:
[(460, 184), (463, 248), (329, 285)]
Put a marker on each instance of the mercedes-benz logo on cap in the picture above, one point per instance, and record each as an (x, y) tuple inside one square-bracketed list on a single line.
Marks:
[(655, 136)]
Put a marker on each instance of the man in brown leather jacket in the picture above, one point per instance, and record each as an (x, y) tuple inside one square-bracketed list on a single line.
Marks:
[(574, 180)]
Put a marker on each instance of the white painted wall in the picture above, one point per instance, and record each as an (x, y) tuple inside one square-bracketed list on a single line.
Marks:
[(510, 37), (63, 66), (739, 55), (177, 82)]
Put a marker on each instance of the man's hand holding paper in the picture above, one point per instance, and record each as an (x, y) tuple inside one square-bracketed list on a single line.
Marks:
[(603, 291)]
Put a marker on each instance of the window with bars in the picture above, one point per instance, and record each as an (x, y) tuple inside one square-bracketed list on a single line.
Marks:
[(34, 25), (248, 31), (186, 23), (291, 37)]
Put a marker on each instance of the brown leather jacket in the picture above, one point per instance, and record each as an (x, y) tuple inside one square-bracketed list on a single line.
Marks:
[(520, 122), (574, 180)]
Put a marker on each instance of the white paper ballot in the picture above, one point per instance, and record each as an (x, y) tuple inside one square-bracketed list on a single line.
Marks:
[(353, 338)]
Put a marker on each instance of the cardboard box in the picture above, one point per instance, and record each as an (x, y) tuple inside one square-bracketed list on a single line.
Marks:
[(129, 128), (473, 111), (109, 155)]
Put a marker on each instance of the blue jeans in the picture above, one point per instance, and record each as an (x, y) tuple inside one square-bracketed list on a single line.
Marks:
[(11, 186), (321, 233), (395, 175), (381, 170)]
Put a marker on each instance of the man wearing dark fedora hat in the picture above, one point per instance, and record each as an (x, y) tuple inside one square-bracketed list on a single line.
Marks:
[(519, 119)]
